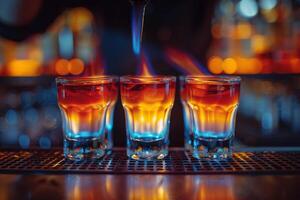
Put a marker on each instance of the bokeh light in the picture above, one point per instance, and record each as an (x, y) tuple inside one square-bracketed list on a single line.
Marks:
[(229, 66), (81, 18), (11, 117), (215, 65), (61, 67), (248, 66), (24, 141), (259, 44), (243, 30), (24, 67), (267, 4), (270, 15), (76, 66), (248, 8)]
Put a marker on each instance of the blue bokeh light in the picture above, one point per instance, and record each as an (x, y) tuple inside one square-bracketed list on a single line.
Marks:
[(267, 4), (66, 44), (45, 142), (24, 141), (247, 8), (11, 117)]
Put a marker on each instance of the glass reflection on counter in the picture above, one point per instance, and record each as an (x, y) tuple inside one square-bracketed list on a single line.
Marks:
[(79, 188), (210, 187), (154, 187), (145, 187), (148, 187), (118, 187)]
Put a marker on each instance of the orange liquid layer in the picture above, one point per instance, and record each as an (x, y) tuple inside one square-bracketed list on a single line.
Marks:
[(213, 107), (84, 107), (147, 107)]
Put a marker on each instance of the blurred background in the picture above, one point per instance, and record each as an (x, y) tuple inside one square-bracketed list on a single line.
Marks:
[(256, 39)]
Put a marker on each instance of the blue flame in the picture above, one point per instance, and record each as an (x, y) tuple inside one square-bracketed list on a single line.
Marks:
[(138, 10)]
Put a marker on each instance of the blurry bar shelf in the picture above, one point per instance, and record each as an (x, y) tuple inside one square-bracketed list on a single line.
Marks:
[(178, 162)]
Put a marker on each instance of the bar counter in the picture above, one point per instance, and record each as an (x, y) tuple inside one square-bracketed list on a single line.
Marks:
[(149, 187), (47, 175)]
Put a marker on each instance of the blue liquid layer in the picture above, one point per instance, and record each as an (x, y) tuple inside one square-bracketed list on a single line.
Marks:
[(213, 135), (84, 134), (147, 136)]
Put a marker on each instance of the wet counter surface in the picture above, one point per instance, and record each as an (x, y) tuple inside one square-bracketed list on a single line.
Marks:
[(39, 185), (149, 187)]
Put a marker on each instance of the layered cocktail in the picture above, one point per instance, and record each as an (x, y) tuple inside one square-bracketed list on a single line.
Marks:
[(147, 102), (84, 103), (213, 102)]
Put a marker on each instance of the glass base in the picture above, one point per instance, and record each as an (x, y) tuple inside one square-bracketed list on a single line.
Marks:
[(81, 149), (215, 149), (147, 150)]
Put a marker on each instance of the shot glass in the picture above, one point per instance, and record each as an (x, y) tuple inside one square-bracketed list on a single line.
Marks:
[(147, 102), (213, 103), (84, 103), (187, 118)]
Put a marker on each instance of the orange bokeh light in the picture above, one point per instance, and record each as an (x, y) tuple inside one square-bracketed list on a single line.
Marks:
[(25, 67), (259, 44), (62, 67), (243, 30), (215, 65), (270, 15), (229, 66), (80, 17), (237, 65), (249, 66), (257, 65), (76, 66)]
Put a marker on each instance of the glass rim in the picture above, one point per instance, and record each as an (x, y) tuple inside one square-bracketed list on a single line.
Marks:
[(141, 78), (204, 78), (87, 79)]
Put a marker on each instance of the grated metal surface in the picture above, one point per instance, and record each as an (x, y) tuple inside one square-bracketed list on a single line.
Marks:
[(178, 162)]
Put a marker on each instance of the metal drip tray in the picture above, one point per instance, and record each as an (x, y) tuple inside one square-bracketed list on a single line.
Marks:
[(178, 162)]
